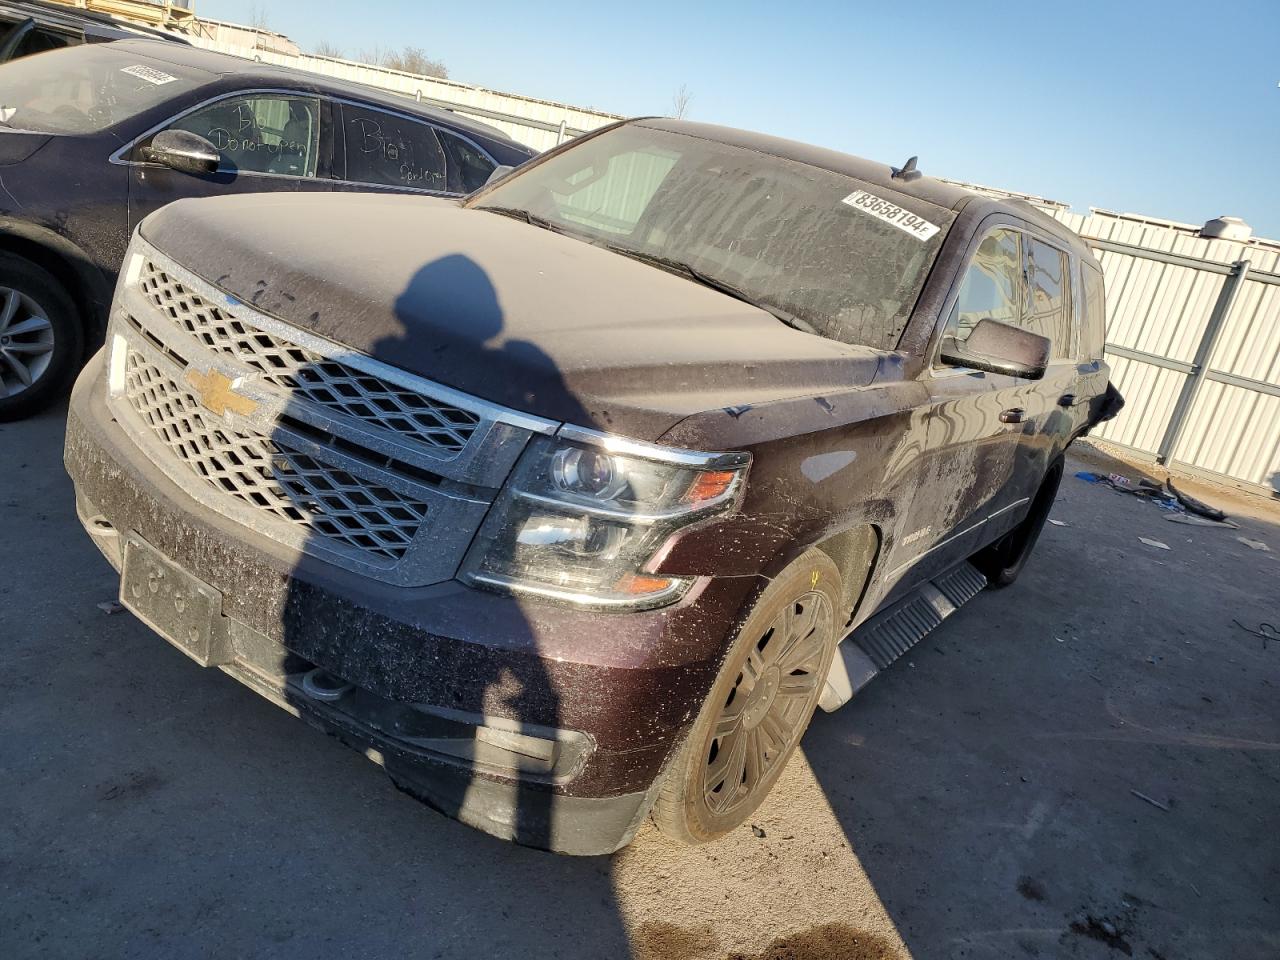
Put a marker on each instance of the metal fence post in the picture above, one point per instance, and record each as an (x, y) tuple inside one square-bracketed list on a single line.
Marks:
[(1200, 365)]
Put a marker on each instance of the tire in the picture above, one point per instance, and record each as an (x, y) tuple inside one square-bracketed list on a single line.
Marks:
[(759, 706), (1003, 560), (41, 338)]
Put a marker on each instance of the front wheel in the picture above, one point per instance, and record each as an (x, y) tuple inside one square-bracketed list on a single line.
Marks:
[(41, 339), (1003, 560), (759, 707)]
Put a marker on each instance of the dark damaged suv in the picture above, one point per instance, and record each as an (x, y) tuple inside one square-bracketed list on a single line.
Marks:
[(568, 503)]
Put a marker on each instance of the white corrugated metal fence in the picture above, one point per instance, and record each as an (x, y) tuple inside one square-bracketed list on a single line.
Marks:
[(1193, 338), (540, 124)]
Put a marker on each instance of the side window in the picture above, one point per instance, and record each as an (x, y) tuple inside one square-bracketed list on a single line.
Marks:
[(268, 133), (1093, 334), (393, 151), (1046, 310), (468, 167), (992, 285)]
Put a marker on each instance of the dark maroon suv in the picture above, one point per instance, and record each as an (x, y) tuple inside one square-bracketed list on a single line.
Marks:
[(570, 502)]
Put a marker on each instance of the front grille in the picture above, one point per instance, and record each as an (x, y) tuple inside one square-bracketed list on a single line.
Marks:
[(266, 473), (444, 428)]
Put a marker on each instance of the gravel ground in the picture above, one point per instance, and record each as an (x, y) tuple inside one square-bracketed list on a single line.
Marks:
[(979, 800)]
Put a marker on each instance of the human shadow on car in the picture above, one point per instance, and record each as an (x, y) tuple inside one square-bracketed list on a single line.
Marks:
[(463, 722)]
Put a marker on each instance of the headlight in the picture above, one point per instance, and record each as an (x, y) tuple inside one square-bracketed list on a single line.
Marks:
[(583, 515)]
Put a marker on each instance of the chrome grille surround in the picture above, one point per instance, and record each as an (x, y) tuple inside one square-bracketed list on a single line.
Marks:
[(317, 478)]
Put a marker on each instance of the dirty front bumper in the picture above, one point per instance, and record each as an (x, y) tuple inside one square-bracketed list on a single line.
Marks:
[(544, 724)]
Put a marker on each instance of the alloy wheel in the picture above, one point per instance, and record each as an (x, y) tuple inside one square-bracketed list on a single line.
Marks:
[(769, 705), (26, 342)]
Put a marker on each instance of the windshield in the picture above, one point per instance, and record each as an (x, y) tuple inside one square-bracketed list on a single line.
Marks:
[(843, 258), (84, 89)]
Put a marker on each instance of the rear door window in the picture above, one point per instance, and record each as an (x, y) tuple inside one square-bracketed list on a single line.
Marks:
[(389, 150), (1046, 302), (260, 133), (1076, 309)]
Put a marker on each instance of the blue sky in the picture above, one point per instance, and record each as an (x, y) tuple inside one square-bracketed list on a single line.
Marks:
[(1171, 108)]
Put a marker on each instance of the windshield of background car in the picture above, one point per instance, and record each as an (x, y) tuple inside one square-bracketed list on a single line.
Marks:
[(85, 89), (846, 257)]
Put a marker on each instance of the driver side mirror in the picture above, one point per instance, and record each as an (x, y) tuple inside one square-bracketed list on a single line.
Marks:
[(183, 151), (498, 173), (999, 348)]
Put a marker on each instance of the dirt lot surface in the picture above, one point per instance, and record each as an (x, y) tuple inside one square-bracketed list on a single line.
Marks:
[(1084, 765)]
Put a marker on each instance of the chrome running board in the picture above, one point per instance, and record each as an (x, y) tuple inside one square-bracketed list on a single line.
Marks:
[(895, 630)]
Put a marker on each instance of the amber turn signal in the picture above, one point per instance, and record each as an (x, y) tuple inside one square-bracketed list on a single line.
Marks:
[(641, 584), (709, 484)]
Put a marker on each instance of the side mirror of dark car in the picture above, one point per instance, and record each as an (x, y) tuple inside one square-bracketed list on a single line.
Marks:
[(183, 151), (498, 173), (999, 348)]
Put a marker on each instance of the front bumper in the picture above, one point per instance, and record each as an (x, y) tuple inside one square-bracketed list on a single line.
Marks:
[(540, 723)]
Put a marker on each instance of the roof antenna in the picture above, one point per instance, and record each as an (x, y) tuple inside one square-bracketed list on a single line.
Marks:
[(907, 172)]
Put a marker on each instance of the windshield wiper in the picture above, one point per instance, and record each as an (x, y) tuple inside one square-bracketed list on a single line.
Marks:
[(696, 275), (517, 213)]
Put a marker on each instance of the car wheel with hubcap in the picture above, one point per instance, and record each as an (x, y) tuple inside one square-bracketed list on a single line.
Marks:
[(41, 339), (759, 707)]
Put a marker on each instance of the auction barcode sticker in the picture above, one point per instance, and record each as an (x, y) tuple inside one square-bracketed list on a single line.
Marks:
[(904, 220), (149, 74)]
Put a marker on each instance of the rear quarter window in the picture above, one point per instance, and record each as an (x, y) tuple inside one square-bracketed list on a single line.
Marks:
[(469, 168), (1093, 334)]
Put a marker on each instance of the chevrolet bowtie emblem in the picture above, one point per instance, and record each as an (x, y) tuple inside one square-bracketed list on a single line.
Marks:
[(217, 393)]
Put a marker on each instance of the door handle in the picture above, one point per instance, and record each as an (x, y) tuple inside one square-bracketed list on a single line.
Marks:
[(1012, 415), (1067, 400)]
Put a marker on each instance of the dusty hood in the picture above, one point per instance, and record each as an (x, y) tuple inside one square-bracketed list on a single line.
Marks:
[(518, 315)]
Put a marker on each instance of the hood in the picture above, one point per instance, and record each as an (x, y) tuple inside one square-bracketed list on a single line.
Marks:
[(500, 309)]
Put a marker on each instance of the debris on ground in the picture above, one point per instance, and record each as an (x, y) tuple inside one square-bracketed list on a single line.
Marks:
[(1151, 800), (1059, 523), (1143, 488), (1154, 543), (1195, 521), (1032, 889), (1180, 507), (1193, 505), (110, 606), (1267, 631), (1254, 544), (758, 831), (1104, 931)]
